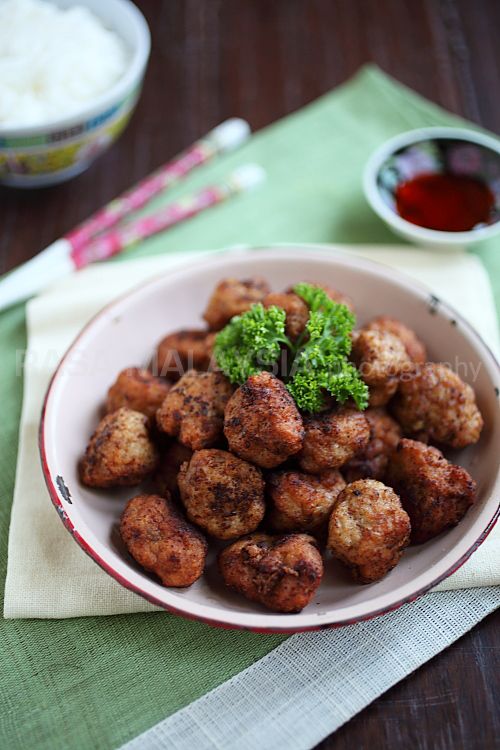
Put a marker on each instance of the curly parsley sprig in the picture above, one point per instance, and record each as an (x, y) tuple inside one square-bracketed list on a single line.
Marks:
[(252, 342), (321, 363)]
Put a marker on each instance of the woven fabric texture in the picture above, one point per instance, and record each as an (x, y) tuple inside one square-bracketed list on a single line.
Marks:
[(315, 682)]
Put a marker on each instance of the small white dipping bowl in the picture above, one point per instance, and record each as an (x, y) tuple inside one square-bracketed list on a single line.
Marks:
[(432, 150), (56, 151), (126, 333)]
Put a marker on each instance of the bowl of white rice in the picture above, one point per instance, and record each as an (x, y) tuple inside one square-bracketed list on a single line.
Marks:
[(71, 73)]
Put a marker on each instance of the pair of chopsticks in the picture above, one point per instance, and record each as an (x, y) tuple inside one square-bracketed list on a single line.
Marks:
[(105, 234)]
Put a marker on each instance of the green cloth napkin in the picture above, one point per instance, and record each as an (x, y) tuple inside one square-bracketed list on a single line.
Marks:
[(97, 682)]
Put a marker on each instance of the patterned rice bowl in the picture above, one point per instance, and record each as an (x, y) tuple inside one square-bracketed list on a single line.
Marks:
[(55, 152)]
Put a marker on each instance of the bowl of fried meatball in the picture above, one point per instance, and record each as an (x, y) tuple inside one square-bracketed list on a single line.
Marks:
[(276, 439)]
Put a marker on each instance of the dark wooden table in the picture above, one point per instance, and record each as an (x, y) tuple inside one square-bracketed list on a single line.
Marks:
[(261, 59)]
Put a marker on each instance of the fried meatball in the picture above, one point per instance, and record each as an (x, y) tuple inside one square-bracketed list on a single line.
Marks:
[(138, 390), (371, 462), (297, 312), (232, 297), (282, 572), (161, 541), (337, 296), (194, 409), (120, 452), (302, 502), (381, 359), (380, 395), (171, 460), (435, 493), (262, 423), (222, 493), (368, 529), (184, 350), (415, 349), (332, 438), (436, 403), (334, 294)]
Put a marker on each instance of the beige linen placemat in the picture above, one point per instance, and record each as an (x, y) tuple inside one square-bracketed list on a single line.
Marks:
[(48, 575)]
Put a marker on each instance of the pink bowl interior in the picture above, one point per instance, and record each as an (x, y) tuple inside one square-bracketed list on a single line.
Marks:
[(126, 333)]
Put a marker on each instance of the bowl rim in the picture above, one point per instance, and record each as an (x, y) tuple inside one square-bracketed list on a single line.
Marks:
[(231, 622), (118, 91), (408, 138)]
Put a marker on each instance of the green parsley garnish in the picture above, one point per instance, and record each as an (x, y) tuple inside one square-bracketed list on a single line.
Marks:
[(252, 342), (321, 363)]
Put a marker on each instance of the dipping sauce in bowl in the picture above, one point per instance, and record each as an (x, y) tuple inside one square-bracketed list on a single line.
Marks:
[(437, 186), (446, 202)]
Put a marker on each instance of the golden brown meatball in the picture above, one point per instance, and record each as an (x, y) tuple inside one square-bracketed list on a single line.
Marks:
[(232, 297), (138, 390), (262, 423), (120, 452), (161, 541), (381, 359), (334, 294), (222, 493), (368, 529), (332, 438), (434, 493), (337, 296), (435, 402), (282, 573), (194, 409), (171, 460), (371, 462), (415, 349), (297, 312), (302, 502), (184, 350), (380, 395)]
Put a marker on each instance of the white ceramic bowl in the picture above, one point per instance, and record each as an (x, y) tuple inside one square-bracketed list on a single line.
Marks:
[(126, 332), (54, 152), (474, 153)]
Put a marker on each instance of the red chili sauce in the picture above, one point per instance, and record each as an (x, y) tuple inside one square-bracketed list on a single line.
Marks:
[(447, 202)]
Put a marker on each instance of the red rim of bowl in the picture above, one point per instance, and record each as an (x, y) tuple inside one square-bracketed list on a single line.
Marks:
[(91, 552)]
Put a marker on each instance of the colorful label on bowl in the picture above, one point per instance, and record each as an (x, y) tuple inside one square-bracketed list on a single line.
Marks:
[(63, 149)]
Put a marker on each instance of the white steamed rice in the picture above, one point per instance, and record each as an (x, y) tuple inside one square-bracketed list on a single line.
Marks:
[(53, 61)]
